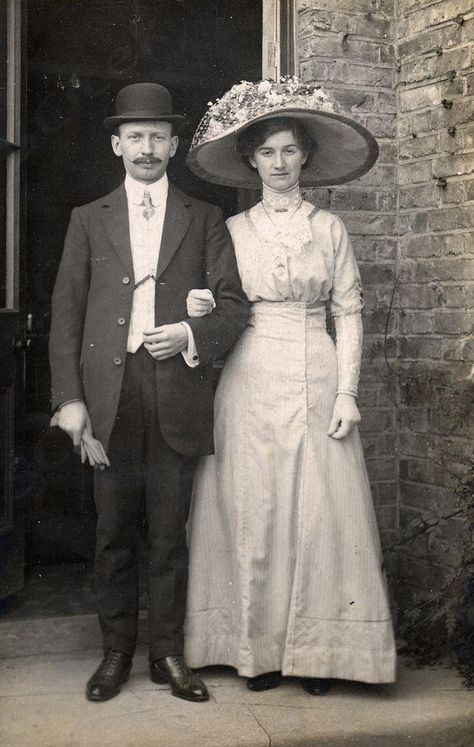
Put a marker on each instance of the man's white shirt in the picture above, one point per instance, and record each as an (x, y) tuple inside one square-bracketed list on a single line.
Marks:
[(145, 242)]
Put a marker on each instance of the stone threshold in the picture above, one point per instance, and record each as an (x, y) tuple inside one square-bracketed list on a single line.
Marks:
[(55, 635)]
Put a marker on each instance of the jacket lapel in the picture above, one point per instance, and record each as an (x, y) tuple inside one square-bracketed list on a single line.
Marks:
[(115, 217), (177, 221)]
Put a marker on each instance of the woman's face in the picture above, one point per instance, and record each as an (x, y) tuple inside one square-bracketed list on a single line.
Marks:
[(279, 160)]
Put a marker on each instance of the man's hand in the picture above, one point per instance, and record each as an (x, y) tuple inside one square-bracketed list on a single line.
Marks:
[(73, 418), (165, 341), (345, 416)]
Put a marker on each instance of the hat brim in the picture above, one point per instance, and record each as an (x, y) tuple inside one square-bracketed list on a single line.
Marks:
[(345, 150), (111, 123)]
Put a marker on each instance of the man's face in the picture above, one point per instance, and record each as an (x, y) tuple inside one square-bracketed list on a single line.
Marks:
[(145, 148)]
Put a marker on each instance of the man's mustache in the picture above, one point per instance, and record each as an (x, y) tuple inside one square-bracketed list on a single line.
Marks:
[(147, 159)]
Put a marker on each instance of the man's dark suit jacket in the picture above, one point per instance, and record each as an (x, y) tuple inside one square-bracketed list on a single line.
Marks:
[(92, 303)]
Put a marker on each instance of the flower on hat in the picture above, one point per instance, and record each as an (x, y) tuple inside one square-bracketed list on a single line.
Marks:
[(264, 86), (247, 100)]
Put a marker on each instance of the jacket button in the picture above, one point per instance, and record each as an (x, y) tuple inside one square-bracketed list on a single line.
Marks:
[(121, 321), (126, 280), (117, 361)]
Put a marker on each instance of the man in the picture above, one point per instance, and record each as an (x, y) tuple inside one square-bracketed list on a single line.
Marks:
[(129, 366)]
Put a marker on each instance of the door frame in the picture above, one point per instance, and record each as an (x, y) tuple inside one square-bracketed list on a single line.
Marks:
[(12, 146), (279, 47), (11, 519)]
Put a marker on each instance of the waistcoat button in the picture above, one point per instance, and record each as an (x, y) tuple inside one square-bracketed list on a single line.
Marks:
[(126, 280), (121, 321), (117, 361)]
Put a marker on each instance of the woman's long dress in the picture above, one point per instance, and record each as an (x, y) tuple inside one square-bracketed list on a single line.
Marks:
[(285, 563)]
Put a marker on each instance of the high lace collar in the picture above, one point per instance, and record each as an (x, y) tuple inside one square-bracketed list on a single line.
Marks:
[(281, 202)]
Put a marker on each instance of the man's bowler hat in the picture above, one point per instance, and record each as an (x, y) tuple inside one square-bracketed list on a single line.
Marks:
[(143, 101)]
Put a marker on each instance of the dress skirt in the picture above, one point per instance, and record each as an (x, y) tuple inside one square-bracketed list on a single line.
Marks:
[(285, 562)]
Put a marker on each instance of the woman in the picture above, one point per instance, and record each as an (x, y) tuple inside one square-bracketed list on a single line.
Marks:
[(285, 566)]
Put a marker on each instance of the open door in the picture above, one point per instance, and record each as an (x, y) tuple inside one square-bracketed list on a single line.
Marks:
[(76, 56), (11, 346)]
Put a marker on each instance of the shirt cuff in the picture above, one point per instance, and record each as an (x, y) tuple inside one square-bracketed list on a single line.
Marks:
[(67, 403), (190, 355)]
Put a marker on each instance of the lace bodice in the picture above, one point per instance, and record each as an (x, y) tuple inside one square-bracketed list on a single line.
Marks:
[(288, 250)]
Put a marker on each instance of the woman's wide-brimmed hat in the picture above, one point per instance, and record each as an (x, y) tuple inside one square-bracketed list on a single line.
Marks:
[(344, 149), (143, 101)]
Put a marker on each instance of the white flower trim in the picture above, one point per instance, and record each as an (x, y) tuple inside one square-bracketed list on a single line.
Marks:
[(245, 101)]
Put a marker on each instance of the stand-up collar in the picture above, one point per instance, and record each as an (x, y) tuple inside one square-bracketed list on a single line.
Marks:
[(158, 190)]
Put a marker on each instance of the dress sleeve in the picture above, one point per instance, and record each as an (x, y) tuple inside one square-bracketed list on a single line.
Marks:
[(349, 352), (346, 291), (346, 303)]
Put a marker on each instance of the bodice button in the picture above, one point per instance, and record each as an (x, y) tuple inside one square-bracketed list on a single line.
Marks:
[(126, 280), (117, 361)]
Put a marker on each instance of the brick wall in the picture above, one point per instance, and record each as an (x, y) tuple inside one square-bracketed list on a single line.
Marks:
[(435, 133), (406, 70), (348, 47)]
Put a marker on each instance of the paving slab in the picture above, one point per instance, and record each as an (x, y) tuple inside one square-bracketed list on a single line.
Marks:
[(414, 713), (42, 704), (130, 721)]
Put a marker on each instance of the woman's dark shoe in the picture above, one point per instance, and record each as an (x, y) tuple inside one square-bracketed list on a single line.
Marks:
[(110, 675), (315, 685), (266, 681), (183, 681)]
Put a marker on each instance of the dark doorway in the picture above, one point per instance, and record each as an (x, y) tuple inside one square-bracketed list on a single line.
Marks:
[(79, 55)]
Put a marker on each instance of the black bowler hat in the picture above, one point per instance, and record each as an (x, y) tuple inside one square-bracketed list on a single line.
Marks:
[(143, 101)]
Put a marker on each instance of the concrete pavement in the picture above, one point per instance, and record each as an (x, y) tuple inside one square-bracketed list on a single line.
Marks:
[(42, 704)]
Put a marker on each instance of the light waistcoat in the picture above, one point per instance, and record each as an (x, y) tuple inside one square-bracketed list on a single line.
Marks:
[(145, 241)]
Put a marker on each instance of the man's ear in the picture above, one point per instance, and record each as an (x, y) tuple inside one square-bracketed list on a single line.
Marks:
[(115, 141), (174, 145)]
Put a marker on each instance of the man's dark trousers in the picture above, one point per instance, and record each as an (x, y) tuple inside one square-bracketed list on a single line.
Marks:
[(145, 473)]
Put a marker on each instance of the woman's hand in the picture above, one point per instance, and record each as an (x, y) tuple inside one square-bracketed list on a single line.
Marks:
[(345, 416), (200, 302)]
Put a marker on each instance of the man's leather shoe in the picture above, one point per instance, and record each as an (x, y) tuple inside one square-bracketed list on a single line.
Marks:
[(183, 681), (266, 681), (111, 673), (315, 685)]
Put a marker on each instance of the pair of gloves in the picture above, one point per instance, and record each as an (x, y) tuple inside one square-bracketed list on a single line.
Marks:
[(199, 303), (91, 448)]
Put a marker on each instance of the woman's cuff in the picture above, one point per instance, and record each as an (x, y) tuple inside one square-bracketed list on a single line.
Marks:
[(349, 351)]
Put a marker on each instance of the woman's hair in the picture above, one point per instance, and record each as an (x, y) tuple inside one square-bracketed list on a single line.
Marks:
[(255, 135)]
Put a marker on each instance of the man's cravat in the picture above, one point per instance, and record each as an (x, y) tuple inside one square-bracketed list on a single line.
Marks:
[(148, 209)]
